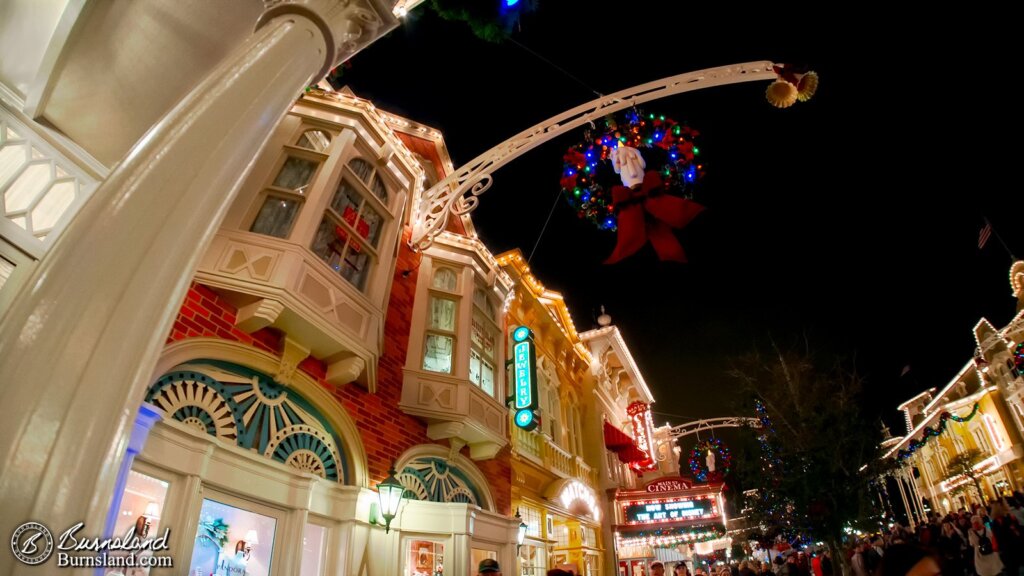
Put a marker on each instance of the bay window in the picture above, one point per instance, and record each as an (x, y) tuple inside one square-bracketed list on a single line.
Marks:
[(286, 193), (348, 238)]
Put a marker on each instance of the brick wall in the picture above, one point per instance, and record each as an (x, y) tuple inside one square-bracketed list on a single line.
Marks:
[(385, 431)]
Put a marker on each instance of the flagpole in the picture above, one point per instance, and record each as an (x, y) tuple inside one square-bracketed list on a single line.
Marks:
[(1000, 238)]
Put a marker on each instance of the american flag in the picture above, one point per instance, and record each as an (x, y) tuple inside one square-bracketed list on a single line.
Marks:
[(983, 236)]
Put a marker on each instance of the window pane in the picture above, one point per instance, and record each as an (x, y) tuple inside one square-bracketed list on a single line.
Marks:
[(330, 244), (487, 378), (474, 368), (424, 558), (232, 541), (442, 314), (476, 332), (346, 201), (314, 140), (369, 225), (6, 268), (379, 190), (354, 268), (313, 550), (276, 217), (362, 169), (445, 279), (295, 174), (438, 356)]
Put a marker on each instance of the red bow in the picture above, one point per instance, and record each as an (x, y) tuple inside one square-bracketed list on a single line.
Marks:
[(636, 228)]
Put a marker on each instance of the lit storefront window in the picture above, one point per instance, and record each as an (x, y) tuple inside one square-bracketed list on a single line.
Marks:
[(424, 558), (142, 506), (232, 541), (533, 560)]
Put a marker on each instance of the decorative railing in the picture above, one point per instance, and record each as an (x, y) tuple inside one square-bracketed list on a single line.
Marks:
[(545, 453)]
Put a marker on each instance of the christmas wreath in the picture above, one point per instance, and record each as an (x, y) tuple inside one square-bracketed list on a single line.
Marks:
[(635, 174), (667, 147), (699, 457)]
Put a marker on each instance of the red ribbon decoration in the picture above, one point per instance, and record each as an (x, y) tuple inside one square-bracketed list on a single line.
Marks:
[(646, 214)]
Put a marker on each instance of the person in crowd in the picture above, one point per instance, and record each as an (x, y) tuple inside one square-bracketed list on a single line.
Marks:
[(826, 564), (908, 560), (857, 562), (680, 569), (1006, 532), (489, 567), (951, 545), (986, 557), (657, 569), (746, 569)]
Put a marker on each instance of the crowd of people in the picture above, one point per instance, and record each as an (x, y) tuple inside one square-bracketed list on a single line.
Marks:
[(983, 541)]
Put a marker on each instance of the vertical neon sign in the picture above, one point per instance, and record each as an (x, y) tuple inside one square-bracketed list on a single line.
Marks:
[(643, 432), (524, 364)]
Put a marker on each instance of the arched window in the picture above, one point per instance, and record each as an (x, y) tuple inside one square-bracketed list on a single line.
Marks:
[(317, 140), (348, 238), (553, 413), (250, 410), (439, 343)]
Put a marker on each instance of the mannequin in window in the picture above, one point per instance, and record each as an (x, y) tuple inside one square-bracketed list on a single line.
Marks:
[(236, 565)]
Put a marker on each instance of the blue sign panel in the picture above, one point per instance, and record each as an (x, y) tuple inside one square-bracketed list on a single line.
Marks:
[(524, 378), (523, 375)]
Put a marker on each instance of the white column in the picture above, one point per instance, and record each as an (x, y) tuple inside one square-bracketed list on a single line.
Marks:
[(144, 420), (903, 496), (79, 344)]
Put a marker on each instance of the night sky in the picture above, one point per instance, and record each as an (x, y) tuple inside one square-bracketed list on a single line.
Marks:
[(851, 220)]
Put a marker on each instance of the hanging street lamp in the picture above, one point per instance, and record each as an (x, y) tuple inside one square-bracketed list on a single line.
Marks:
[(390, 493)]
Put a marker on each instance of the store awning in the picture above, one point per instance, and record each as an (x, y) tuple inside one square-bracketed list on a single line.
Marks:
[(615, 439)]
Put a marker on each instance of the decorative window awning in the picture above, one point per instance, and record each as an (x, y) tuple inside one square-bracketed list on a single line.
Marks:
[(622, 444)]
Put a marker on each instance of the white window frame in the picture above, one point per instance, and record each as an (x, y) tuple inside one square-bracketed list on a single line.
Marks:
[(490, 316), (443, 294), (302, 198)]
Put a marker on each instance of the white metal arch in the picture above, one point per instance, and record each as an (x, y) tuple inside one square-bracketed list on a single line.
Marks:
[(696, 426), (458, 192)]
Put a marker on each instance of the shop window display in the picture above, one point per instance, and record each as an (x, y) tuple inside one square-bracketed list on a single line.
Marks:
[(424, 558), (142, 505), (231, 541)]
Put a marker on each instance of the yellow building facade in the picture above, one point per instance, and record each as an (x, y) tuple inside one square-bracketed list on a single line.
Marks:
[(554, 485), (981, 410)]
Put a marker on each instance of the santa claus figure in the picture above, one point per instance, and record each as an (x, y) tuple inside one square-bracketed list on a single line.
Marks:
[(629, 164)]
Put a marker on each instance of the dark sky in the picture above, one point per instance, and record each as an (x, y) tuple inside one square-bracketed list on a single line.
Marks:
[(851, 219)]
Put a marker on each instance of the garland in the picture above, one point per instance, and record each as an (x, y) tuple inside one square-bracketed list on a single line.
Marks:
[(674, 536), (930, 432), (724, 460)]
